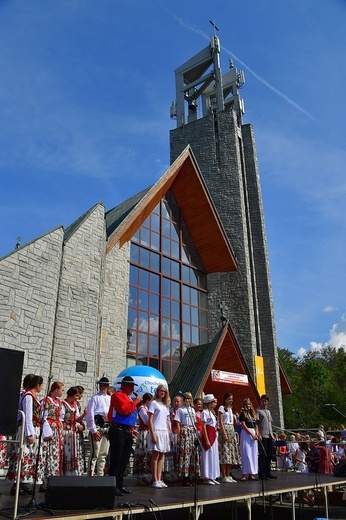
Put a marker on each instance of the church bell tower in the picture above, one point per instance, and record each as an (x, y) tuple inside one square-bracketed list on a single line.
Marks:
[(209, 113)]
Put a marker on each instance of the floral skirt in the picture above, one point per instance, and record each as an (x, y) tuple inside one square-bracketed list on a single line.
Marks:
[(229, 452), (142, 455), (188, 461)]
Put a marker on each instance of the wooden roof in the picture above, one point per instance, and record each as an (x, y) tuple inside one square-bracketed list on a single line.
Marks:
[(223, 353), (184, 179)]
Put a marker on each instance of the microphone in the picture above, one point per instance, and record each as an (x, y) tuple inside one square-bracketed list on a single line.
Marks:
[(329, 404), (182, 394)]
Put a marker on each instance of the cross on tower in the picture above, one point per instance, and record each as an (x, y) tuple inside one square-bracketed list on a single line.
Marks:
[(223, 309)]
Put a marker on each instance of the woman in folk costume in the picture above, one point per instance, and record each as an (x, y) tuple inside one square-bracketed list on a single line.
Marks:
[(142, 456), (69, 417), (52, 432), (227, 438), (248, 441), (210, 465), (32, 461), (188, 461), (80, 432)]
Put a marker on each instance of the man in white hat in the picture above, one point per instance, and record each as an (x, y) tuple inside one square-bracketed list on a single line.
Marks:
[(98, 407)]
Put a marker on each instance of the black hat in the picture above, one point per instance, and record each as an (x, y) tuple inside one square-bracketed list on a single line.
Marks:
[(128, 380), (103, 381)]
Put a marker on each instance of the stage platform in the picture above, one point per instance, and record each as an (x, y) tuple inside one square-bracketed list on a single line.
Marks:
[(241, 500)]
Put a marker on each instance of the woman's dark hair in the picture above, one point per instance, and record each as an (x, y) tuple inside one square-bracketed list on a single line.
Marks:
[(36, 380), (80, 389), (72, 391), (225, 397), (147, 397), (27, 380)]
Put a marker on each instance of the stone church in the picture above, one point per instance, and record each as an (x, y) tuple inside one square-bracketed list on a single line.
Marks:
[(145, 281)]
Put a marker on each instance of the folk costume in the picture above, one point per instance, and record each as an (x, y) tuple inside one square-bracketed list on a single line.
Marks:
[(188, 461), (31, 407), (69, 415), (52, 437), (142, 455)]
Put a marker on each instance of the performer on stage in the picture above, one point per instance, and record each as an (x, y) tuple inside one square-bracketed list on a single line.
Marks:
[(122, 414), (248, 441), (227, 438), (265, 429), (158, 437), (210, 464), (31, 407), (52, 435), (142, 456), (97, 408), (69, 417), (188, 460)]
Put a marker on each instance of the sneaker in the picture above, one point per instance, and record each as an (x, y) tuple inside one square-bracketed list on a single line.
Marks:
[(230, 479), (216, 482), (163, 485), (209, 482), (225, 479), (156, 484)]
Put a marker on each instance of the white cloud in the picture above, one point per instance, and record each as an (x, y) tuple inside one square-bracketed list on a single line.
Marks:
[(329, 308)]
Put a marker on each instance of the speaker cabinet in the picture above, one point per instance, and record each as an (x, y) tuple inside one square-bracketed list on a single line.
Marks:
[(11, 368), (81, 492)]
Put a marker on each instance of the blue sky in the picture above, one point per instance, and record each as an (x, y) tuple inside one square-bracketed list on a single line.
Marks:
[(85, 92)]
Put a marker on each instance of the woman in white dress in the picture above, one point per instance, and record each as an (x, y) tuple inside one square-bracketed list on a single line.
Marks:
[(228, 441), (301, 452), (158, 436), (210, 464), (248, 441)]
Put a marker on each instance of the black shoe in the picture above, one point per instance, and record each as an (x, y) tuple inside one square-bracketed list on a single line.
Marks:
[(118, 493), (43, 489), (264, 478), (271, 477), (124, 491)]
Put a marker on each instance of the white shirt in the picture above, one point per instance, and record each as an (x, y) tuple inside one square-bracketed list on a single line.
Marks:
[(160, 412), (97, 405), (186, 416)]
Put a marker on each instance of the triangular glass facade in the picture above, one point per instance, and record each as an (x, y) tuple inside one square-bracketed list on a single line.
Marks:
[(167, 295)]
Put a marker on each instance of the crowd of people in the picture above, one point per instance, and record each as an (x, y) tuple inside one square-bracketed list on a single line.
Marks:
[(192, 441)]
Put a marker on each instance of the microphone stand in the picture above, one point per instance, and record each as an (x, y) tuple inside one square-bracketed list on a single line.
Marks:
[(32, 506), (198, 447)]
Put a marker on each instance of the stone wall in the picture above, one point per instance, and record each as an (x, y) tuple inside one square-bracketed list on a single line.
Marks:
[(29, 281), (77, 330), (217, 150), (227, 158), (114, 311)]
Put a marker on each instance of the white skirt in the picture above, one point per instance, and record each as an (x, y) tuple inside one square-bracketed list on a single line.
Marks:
[(162, 445)]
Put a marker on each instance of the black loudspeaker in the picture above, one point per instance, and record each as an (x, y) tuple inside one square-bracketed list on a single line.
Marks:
[(81, 492), (11, 368)]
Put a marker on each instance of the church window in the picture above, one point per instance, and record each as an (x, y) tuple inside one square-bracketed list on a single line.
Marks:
[(167, 295)]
